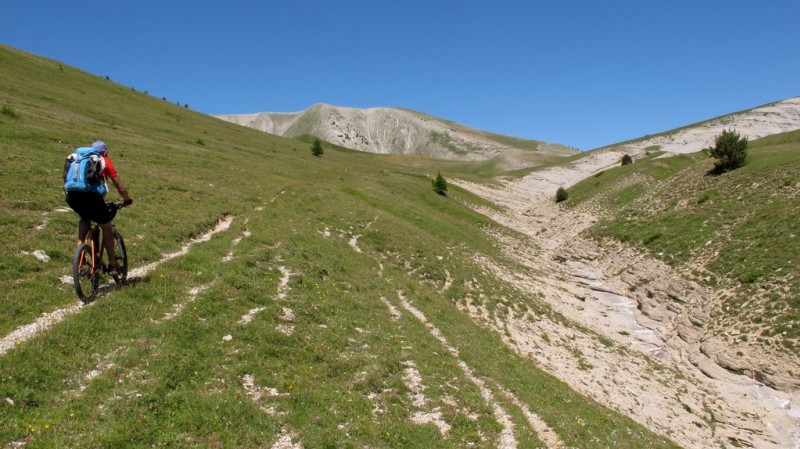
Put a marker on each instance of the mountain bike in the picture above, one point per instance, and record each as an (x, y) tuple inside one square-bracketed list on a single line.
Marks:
[(87, 263)]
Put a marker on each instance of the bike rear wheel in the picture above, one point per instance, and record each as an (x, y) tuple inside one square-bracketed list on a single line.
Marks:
[(84, 276), (121, 258)]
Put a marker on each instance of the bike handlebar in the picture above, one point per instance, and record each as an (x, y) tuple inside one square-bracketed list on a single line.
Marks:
[(119, 205)]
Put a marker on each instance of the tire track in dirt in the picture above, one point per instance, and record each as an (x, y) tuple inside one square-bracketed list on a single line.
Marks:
[(423, 415), (107, 363), (222, 225), (354, 239), (545, 432), (179, 307), (287, 314), (507, 438), (393, 312), (46, 218), (24, 333), (257, 394), (246, 233), (248, 317), (283, 285)]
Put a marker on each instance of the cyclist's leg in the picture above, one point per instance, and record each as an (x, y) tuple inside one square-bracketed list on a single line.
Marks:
[(108, 243), (81, 204), (102, 213), (83, 227)]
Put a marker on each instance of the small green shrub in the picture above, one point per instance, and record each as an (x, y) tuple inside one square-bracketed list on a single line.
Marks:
[(8, 111), (707, 195), (750, 276), (627, 159), (730, 151), (561, 195)]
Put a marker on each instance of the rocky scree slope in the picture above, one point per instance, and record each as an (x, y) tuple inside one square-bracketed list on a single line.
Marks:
[(748, 396)]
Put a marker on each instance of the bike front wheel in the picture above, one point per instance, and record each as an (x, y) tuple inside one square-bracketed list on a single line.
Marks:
[(121, 259), (84, 275)]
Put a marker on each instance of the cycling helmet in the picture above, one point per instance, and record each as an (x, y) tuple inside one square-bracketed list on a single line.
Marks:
[(100, 145)]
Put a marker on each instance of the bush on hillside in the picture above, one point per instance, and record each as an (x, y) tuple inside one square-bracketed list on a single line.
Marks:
[(561, 195), (8, 111), (440, 185), (316, 148), (730, 150), (627, 159)]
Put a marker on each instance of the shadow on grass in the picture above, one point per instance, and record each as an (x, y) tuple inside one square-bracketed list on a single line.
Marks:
[(110, 287), (721, 169)]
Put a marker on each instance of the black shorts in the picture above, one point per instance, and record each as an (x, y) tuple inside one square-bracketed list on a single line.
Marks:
[(91, 206)]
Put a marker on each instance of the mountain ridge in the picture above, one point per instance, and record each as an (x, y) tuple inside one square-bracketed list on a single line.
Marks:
[(386, 130), (761, 121)]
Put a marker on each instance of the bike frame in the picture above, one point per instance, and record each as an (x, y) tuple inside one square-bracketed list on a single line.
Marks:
[(96, 243), (92, 238), (89, 255)]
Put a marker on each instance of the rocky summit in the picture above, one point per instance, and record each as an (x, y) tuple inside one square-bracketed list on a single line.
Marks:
[(393, 131)]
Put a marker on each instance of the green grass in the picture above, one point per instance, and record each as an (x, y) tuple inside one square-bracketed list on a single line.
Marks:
[(163, 361), (743, 222)]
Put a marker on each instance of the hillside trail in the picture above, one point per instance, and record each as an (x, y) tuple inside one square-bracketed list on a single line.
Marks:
[(49, 319), (663, 368), (107, 362)]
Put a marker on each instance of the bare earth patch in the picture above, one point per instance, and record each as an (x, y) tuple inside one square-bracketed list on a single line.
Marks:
[(507, 438), (413, 381)]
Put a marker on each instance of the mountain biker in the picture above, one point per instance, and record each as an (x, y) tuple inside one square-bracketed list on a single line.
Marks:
[(91, 206)]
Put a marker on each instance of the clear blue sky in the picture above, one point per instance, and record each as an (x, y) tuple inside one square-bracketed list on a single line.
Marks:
[(584, 73)]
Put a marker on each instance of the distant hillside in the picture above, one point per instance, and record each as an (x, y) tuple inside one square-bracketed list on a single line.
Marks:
[(393, 131), (762, 121), (753, 123)]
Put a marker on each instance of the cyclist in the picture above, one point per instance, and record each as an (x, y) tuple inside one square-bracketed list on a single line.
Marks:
[(91, 206)]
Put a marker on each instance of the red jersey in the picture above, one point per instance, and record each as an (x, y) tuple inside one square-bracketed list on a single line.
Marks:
[(110, 171)]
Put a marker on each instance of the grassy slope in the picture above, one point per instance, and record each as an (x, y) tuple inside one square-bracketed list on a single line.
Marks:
[(148, 366), (739, 227)]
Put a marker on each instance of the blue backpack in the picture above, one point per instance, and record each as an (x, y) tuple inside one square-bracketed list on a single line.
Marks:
[(82, 171)]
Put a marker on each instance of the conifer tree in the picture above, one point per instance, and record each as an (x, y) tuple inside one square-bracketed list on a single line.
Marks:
[(440, 185), (730, 150), (561, 194), (316, 148)]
